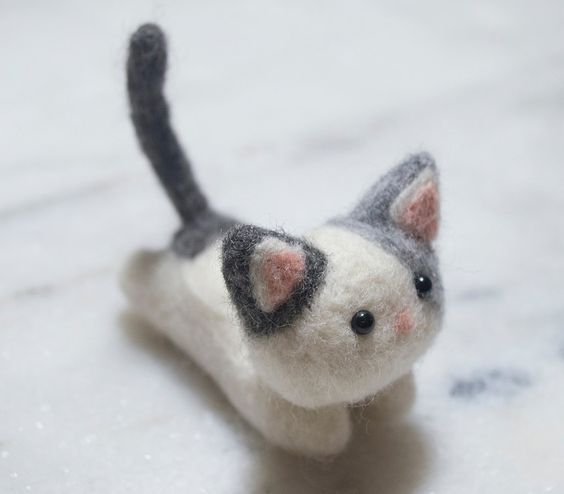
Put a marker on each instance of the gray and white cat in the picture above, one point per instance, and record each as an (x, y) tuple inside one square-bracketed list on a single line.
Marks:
[(293, 330)]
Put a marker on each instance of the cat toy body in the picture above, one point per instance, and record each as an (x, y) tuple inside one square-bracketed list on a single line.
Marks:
[(293, 330)]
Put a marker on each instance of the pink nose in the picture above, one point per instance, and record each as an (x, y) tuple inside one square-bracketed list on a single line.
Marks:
[(403, 322)]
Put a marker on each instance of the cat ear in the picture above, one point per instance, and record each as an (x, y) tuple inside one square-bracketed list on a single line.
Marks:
[(416, 209), (277, 268), (270, 276), (407, 197)]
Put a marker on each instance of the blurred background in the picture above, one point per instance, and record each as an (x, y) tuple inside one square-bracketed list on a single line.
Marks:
[(289, 111)]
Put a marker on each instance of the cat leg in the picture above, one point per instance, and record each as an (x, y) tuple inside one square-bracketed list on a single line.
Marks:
[(392, 402), (319, 432)]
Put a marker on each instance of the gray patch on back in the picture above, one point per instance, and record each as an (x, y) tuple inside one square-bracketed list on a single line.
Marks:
[(194, 237)]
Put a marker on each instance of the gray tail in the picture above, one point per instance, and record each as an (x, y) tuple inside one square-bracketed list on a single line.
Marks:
[(146, 68)]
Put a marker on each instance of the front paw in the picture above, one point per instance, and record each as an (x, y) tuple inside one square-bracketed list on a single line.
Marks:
[(316, 433), (392, 402)]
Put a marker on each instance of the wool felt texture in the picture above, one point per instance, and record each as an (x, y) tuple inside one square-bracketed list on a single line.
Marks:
[(146, 68), (268, 315), (243, 246), (376, 216), (276, 272)]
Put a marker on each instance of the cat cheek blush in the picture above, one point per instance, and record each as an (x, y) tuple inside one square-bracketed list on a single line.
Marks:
[(403, 322)]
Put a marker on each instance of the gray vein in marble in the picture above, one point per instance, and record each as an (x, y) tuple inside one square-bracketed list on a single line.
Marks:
[(51, 289), (478, 294), (361, 133), (496, 382), (73, 195)]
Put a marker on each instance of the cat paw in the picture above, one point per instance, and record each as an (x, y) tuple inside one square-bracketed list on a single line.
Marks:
[(392, 402)]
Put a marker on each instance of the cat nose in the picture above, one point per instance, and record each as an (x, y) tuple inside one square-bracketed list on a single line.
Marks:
[(403, 322)]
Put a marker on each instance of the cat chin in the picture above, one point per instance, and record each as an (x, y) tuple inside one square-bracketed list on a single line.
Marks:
[(309, 386)]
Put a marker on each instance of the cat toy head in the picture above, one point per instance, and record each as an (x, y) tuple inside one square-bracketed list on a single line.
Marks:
[(329, 318), (336, 316)]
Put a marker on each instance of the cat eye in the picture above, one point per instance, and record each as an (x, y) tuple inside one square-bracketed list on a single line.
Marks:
[(362, 322), (423, 285)]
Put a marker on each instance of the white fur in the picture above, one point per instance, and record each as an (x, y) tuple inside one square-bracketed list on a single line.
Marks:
[(295, 386)]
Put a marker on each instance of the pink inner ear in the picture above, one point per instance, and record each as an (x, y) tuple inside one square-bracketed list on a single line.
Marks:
[(281, 272), (421, 214)]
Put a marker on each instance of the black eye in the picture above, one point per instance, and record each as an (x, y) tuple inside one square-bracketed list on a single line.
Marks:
[(423, 285), (362, 322)]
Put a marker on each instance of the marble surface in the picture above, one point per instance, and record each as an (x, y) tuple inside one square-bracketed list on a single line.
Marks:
[(290, 109)]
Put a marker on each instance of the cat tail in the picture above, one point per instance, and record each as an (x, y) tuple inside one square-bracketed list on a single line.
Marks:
[(146, 69)]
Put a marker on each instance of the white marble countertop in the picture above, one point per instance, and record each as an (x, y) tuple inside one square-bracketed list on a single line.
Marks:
[(314, 98)]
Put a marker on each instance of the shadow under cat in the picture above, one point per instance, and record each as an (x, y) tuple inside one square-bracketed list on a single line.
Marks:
[(385, 456)]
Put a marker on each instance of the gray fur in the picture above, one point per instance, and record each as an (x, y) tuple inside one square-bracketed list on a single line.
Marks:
[(238, 247), (195, 236), (418, 257), (371, 219), (374, 207), (146, 68)]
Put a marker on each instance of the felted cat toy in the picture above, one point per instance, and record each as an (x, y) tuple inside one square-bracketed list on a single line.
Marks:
[(294, 330)]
